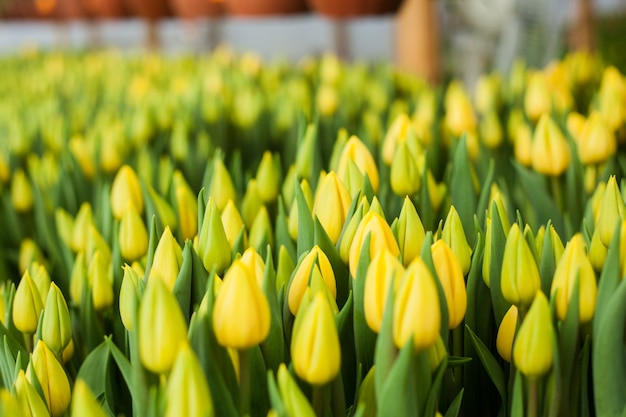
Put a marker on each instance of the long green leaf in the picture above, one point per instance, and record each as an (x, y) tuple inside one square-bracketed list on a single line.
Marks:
[(491, 365)]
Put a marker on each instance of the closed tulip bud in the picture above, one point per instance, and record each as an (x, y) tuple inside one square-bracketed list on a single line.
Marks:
[(161, 326), (221, 187), (597, 252), (416, 311), (56, 326), (186, 206), (68, 352), (9, 406), (101, 278), (97, 243), (304, 156), (84, 403), (21, 192), (487, 93), (520, 276), (459, 116), (164, 211), (64, 225), (506, 333), (327, 100), (187, 392), (574, 264), (597, 142), (83, 150), (532, 349), (292, 221), (124, 190), (27, 305), (41, 278), (294, 400), (51, 377), (612, 211), (300, 278), (133, 236), (331, 205), (522, 145), (436, 354), (451, 278), (491, 130), (268, 177), (232, 223), (315, 348), (436, 192), (129, 297), (29, 253), (255, 264), (82, 228), (351, 228), (78, 278), (236, 327), (251, 203), (410, 232), (384, 273), (381, 237), (288, 187), (357, 152), (261, 232), (550, 151), (28, 399), (406, 171), (167, 260), (213, 245), (537, 100), (395, 135), (284, 268), (454, 236), (575, 125)]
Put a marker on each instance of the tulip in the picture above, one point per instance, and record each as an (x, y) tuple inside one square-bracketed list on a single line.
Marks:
[(129, 297), (133, 236), (187, 392), (436, 354), (520, 275), (84, 403), (384, 273), (597, 142), (301, 277), (612, 211), (506, 333), (78, 278), (64, 225), (491, 130), (327, 100), (28, 399), (221, 187), (213, 246), (459, 117), (51, 377), (164, 211), (406, 171), (292, 222), (261, 232), (487, 93), (416, 311), (56, 326), (537, 100), (550, 152), (357, 152), (454, 236), (21, 192), (255, 264), (522, 145), (532, 349), (575, 264), (41, 278), (268, 177), (241, 314), (315, 348), (294, 400), (304, 157), (161, 326), (597, 252), (410, 232), (395, 135), (27, 305), (232, 223), (167, 260), (82, 226), (381, 236), (575, 125), (251, 203), (124, 190), (9, 406), (451, 277), (101, 278), (331, 205), (186, 207)]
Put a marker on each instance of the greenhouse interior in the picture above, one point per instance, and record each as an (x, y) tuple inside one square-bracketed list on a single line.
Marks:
[(293, 208)]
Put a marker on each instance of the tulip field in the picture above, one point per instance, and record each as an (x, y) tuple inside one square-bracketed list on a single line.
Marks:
[(222, 236)]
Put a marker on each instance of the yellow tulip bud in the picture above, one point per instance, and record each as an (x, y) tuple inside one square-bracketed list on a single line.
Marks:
[(133, 236), (575, 125), (491, 130), (41, 278), (454, 236), (410, 232), (350, 229), (486, 94), (233, 223), (331, 205), (187, 392), (506, 333), (597, 252), (56, 326), (301, 277), (64, 225), (28, 399), (221, 187), (612, 211), (164, 211), (452, 280), (27, 305), (357, 152), (124, 190), (213, 245), (597, 142), (101, 278), (161, 326), (167, 260), (268, 177), (83, 150), (306, 148), (21, 192), (82, 228), (550, 151), (575, 264), (384, 273), (436, 354), (436, 192), (234, 326), (459, 116), (522, 145), (96, 243), (292, 222), (520, 275), (255, 264), (327, 100), (84, 403), (406, 171), (532, 349), (315, 348), (381, 236), (416, 311), (295, 401), (51, 377), (251, 203), (537, 100), (186, 206), (395, 135), (129, 297), (261, 232), (289, 184), (78, 278)]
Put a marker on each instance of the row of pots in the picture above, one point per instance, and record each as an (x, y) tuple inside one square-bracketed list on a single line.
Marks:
[(156, 9)]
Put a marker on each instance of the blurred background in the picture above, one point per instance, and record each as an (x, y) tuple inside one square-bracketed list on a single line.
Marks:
[(434, 39)]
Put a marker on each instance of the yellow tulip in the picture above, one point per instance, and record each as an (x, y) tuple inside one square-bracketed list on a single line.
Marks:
[(213, 246), (532, 349), (611, 212), (84, 403), (331, 205), (52, 379), (410, 232), (506, 333), (56, 326), (452, 280), (21, 192), (454, 236), (381, 236), (187, 392), (597, 142), (27, 305), (30, 403), (167, 260), (300, 277), (520, 275), (384, 273), (133, 236), (550, 153), (357, 152), (124, 190)]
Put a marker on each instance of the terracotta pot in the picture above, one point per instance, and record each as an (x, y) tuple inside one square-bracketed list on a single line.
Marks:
[(339, 9), (149, 9), (265, 7), (104, 9), (193, 9)]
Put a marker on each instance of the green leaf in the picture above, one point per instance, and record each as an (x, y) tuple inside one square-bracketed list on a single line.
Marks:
[(133, 376), (432, 399), (485, 193), (274, 396), (342, 273), (95, 372), (182, 286), (274, 346), (455, 405), (282, 230), (305, 223), (498, 241), (427, 257), (609, 280), (547, 266), (517, 403), (364, 337), (397, 396), (385, 351), (491, 365), (462, 195)]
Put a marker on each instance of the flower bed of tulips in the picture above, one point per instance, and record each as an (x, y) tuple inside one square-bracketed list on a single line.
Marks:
[(198, 236)]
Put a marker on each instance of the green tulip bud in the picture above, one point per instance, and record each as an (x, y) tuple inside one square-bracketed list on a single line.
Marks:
[(56, 326)]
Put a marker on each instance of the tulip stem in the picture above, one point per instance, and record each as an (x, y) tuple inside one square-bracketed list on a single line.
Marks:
[(533, 397), (28, 342), (244, 382), (319, 400), (557, 193)]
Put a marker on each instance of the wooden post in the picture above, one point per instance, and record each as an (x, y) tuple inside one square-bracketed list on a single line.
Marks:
[(417, 39), (582, 35)]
